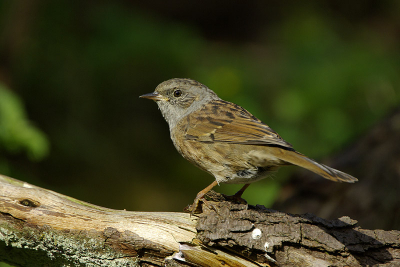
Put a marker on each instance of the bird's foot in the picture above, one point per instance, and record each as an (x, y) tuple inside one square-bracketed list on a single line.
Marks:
[(236, 199), (196, 207)]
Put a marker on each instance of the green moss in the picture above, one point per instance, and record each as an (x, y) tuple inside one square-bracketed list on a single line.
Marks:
[(48, 247)]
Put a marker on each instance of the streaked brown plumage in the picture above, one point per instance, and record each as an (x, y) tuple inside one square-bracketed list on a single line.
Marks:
[(226, 140)]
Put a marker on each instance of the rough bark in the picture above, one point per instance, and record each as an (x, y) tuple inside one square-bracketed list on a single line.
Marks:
[(296, 240), (39, 227)]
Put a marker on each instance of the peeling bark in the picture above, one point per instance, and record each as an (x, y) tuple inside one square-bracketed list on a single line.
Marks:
[(39, 227), (295, 240)]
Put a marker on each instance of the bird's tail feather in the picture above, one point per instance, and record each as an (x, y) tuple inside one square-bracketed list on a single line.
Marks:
[(327, 172)]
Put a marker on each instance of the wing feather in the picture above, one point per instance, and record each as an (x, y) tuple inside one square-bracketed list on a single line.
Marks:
[(222, 121)]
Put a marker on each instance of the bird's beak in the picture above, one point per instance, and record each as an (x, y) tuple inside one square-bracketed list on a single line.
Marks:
[(153, 96)]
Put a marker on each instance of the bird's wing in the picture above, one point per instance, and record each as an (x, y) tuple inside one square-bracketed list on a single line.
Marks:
[(221, 121)]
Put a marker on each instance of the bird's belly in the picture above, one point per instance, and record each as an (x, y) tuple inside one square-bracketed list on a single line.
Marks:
[(228, 163), (247, 176)]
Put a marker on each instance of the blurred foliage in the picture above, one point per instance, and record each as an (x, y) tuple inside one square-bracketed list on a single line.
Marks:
[(316, 74), (17, 133)]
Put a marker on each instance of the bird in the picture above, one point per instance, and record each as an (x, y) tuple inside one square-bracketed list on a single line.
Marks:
[(226, 140)]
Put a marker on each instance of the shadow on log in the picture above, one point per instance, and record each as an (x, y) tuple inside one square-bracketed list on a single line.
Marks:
[(39, 227)]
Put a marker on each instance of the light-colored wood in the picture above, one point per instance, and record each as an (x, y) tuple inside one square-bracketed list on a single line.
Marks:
[(61, 212), (38, 207)]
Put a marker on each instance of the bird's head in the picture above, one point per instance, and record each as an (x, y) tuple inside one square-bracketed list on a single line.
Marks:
[(178, 97)]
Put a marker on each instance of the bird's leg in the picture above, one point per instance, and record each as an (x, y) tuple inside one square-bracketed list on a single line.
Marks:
[(238, 196), (200, 195), (240, 192)]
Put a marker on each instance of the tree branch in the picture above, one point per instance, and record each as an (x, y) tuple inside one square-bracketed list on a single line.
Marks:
[(68, 230), (40, 227)]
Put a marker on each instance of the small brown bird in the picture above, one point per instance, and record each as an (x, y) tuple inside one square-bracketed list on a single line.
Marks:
[(226, 140)]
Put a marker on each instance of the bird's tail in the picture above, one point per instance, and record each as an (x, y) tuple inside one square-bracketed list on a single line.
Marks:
[(298, 159)]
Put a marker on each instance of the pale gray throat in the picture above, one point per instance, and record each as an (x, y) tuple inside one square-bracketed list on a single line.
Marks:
[(169, 113)]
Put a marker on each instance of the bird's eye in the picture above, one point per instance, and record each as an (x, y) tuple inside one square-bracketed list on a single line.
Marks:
[(177, 93)]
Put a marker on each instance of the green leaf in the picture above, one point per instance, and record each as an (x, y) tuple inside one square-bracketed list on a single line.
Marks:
[(17, 134)]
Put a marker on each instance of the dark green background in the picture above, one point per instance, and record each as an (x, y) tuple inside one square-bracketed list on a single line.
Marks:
[(320, 73)]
